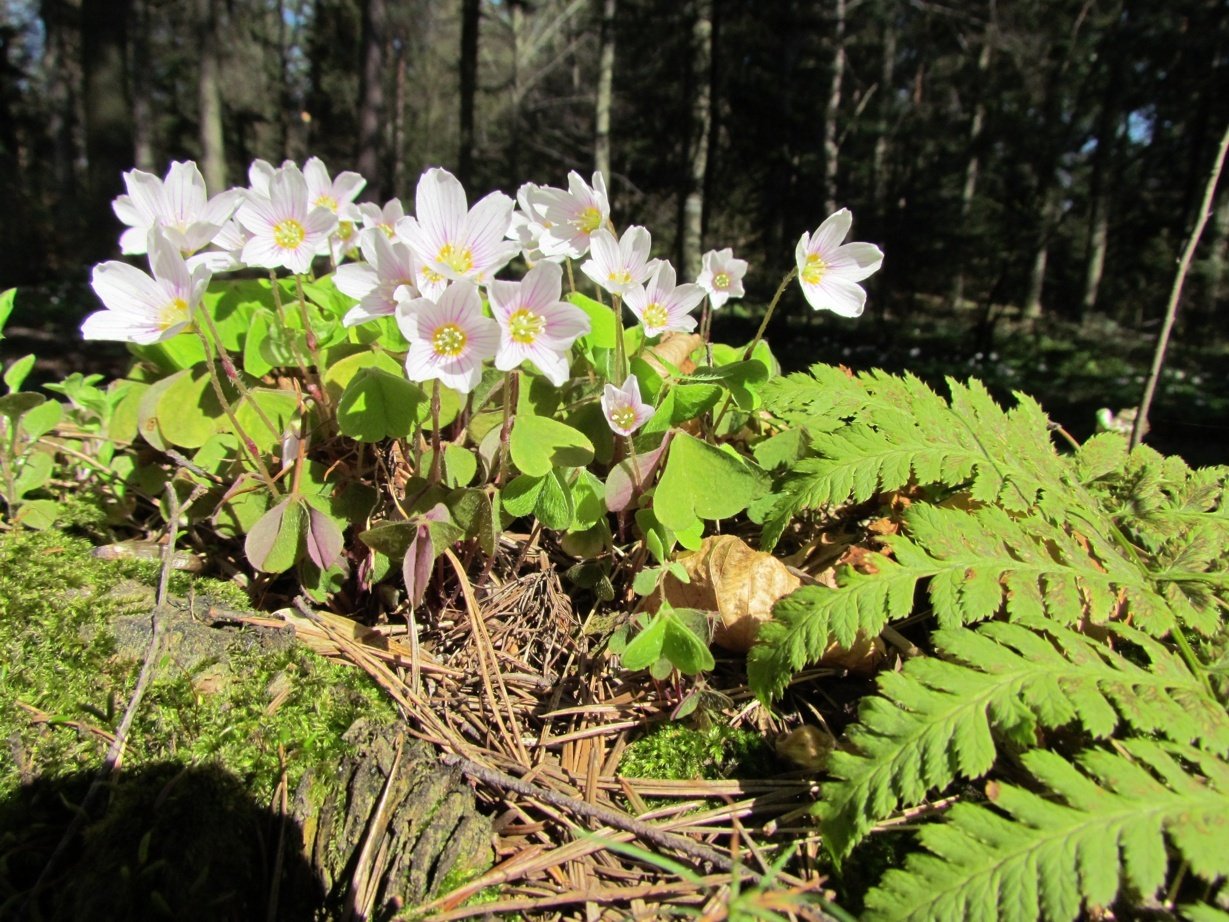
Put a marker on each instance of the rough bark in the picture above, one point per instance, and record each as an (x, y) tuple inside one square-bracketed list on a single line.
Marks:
[(371, 158), (701, 122), (605, 90)]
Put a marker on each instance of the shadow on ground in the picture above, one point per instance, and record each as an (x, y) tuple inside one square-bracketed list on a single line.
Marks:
[(163, 841)]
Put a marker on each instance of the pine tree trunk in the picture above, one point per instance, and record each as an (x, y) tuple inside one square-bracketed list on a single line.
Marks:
[(701, 121), (1036, 279), (61, 29), (972, 169), (471, 11), (142, 107), (605, 90), (108, 117), (833, 111), (371, 117), (213, 147), (887, 96)]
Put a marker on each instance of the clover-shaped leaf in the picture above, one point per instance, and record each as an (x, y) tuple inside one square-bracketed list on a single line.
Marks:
[(539, 445), (703, 482)]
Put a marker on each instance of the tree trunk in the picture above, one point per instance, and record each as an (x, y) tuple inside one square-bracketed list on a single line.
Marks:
[(61, 33), (887, 101), (470, 14), (605, 90), (833, 111), (1217, 289), (371, 158), (701, 124), (1041, 251), (213, 148), (972, 170), (108, 117)]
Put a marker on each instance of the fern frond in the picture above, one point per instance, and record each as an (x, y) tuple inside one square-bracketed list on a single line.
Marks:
[(1033, 857), (807, 620), (935, 721)]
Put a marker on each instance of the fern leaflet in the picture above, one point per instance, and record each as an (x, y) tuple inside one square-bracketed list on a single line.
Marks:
[(1033, 857)]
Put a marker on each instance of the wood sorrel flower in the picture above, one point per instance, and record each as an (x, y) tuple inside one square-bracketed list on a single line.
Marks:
[(449, 338), (286, 231), (144, 309), (619, 265), (571, 217), (721, 275), (177, 205), (663, 306), (534, 324), (829, 272), (451, 240), (390, 264), (625, 411), (325, 192)]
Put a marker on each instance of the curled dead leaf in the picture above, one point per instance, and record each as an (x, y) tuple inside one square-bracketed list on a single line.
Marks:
[(674, 350)]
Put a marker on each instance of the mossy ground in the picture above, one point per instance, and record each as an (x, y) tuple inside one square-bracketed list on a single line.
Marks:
[(61, 673), (679, 753)]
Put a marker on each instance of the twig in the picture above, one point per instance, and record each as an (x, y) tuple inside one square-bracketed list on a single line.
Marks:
[(640, 829), (1171, 308)]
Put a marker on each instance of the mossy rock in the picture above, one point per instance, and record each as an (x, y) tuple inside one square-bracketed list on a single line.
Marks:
[(185, 830)]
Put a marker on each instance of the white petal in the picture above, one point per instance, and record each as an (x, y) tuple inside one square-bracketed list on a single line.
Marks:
[(830, 234), (837, 295), (439, 202), (855, 261), (128, 290)]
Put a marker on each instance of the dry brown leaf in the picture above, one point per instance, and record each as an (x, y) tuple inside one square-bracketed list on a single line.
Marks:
[(675, 350)]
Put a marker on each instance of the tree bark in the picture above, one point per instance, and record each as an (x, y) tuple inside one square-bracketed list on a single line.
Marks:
[(371, 157), (1036, 279), (702, 122), (972, 169), (470, 15), (887, 100), (143, 131), (833, 111), (213, 147), (108, 116), (605, 90)]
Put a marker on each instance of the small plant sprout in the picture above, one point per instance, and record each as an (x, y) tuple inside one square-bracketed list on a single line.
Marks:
[(829, 271), (452, 240), (449, 338), (143, 309), (721, 276), (287, 232), (663, 307), (534, 324)]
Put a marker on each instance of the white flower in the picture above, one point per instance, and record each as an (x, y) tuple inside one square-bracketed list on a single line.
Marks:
[(534, 324), (618, 265), (449, 338), (829, 272), (144, 309), (721, 275), (573, 216), (389, 266), (529, 223), (178, 205), (452, 241), (663, 306), (386, 218), (285, 230), (325, 192), (624, 410)]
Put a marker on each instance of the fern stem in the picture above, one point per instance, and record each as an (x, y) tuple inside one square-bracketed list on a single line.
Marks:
[(1192, 662)]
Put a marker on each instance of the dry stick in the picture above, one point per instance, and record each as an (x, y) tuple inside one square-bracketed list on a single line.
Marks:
[(115, 752), (1171, 308), (609, 817)]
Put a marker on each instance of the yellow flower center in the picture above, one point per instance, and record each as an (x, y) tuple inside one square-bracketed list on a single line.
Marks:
[(388, 229), (448, 340), (655, 315), (721, 281), (326, 201), (345, 230), (174, 312), (289, 234), (432, 277), (619, 277), (623, 417), (525, 326), (814, 269), (459, 261), (589, 220)]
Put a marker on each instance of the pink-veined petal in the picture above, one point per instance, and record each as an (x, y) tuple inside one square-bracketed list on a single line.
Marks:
[(440, 204), (836, 294), (855, 261), (127, 290), (830, 234)]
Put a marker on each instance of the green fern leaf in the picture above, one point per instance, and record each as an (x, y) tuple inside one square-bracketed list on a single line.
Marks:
[(1033, 856), (934, 721)]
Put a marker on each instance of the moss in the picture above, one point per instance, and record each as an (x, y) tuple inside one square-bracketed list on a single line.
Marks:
[(678, 752), (64, 684)]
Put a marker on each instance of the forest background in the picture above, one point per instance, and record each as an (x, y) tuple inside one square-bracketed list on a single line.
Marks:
[(1032, 168)]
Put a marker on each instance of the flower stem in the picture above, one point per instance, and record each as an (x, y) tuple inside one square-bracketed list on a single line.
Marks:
[(511, 382), (244, 439), (313, 347), (232, 373), (621, 369), (436, 452)]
